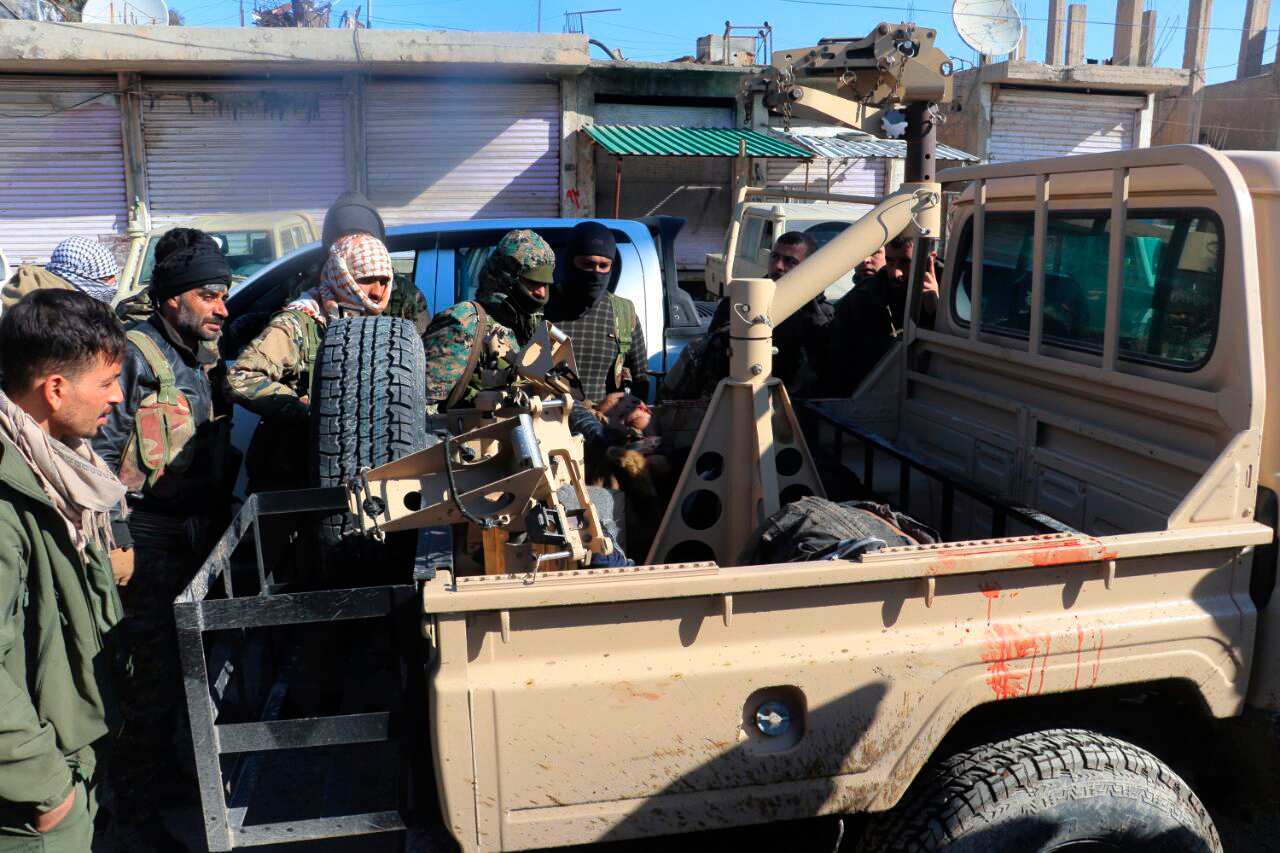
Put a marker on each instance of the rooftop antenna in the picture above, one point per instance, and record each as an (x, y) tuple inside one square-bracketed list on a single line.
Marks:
[(573, 20), (763, 35)]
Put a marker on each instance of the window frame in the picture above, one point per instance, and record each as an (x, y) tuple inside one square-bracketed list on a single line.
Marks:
[(965, 245)]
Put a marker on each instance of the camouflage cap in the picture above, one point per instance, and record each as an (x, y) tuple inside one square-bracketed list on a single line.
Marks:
[(533, 257)]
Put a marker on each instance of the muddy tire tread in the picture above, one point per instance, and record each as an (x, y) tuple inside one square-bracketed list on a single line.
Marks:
[(951, 796)]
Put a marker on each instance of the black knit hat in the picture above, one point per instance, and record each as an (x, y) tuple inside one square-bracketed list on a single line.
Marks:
[(193, 260), (352, 213), (592, 238)]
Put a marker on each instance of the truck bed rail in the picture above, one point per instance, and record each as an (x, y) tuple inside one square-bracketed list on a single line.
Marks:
[(214, 669), (872, 444)]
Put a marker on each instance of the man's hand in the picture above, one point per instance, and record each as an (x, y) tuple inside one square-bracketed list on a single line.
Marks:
[(46, 821), (930, 300), (122, 565)]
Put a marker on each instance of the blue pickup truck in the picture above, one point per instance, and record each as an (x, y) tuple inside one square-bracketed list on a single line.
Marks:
[(442, 260)]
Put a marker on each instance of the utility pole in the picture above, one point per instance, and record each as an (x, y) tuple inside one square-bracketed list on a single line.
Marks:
[(242, 13), (539, 15), (368, 15)]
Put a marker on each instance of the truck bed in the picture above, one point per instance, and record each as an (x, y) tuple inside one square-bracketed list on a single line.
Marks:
[(611, 704)]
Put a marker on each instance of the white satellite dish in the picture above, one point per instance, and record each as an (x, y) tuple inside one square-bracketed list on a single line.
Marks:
[(134, 13), (991, 27)]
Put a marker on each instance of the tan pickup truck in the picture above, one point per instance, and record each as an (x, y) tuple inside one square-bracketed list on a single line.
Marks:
[(1093, 445), (1082, 414), (1129, 418)]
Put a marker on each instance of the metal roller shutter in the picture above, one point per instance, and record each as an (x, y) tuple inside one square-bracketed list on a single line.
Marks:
[(61, 165), (458, 150), (218, 148), (1030, 125), (854, 176)]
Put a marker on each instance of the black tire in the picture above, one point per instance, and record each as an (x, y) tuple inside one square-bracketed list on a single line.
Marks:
[(368, 408), (1061, 789)]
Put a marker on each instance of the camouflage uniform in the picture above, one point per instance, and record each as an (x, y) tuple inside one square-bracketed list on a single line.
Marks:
[(269, 378), (509, 321)]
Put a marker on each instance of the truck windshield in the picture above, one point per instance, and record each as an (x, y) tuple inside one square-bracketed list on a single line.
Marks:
[(246, 251)]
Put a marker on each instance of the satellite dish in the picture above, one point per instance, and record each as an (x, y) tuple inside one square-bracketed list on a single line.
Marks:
[(134, 13), (991, 27)]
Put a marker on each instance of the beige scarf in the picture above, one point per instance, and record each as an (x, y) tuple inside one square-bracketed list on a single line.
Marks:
[(78, 483)]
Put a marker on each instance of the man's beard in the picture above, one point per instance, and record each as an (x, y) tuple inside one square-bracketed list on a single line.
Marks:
[(191, 324)]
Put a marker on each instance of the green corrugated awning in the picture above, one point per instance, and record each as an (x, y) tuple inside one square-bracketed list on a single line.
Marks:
[(629, 139)]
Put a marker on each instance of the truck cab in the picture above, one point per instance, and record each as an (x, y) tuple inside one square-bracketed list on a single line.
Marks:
[(251, 241)]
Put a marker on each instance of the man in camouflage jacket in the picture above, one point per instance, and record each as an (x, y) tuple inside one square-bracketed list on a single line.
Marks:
[(463, 357), (272, 375)]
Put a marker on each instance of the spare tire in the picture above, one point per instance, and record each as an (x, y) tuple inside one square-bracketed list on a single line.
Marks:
[(368, 408)]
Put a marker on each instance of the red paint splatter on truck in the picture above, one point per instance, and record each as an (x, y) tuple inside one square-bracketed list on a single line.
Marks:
[(990, 591), (1005, 645), (1079, 654), (1097, 661)]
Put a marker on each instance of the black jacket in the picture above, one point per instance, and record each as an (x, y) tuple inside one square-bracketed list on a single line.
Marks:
[(199, 487)]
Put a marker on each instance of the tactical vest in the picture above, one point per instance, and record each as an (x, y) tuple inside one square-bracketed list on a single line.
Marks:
[(164, 428), (624, 322), (487, 364), (312, 337)]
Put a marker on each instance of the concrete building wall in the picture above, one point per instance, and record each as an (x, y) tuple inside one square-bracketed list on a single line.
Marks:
[(271, 70), (969, 118), (1241, 113)]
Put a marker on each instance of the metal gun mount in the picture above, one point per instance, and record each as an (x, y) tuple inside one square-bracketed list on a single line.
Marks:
[(498, 469), (854, 81), (736, 476)]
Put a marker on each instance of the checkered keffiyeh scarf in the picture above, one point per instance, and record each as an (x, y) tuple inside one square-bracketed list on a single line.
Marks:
[(351, 258), (84, 263)]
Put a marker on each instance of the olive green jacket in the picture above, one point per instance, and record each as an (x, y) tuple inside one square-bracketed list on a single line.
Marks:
[(56, 608), (28, 278)]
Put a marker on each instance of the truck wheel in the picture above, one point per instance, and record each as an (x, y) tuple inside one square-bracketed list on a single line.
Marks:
[(369, 408), (1056, 790)]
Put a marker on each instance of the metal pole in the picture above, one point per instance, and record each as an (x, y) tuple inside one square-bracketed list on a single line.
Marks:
[(539, 15), (922, 144), (617, 189), (368, 15), (242, 13), (920, 167)]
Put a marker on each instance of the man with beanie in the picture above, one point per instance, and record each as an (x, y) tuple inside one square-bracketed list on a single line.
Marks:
[(608, 341), (467, 343), (169, 450), (351, 213), (61, 353)]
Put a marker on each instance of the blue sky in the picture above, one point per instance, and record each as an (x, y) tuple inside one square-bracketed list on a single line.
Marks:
[(665, 29)]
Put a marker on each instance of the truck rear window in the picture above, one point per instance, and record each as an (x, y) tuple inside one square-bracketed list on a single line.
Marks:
[(1171, 282)]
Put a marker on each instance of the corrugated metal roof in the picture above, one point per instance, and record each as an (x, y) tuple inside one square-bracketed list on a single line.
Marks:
[(626, 139), (838, 147)]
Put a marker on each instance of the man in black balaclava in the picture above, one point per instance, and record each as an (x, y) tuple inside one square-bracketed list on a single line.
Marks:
[(608, 341)]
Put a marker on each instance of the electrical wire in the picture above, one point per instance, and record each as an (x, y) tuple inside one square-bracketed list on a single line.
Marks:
[(947, 12), (56, 110)]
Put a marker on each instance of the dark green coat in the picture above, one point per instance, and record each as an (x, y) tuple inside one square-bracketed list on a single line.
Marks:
[(55, 609)]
